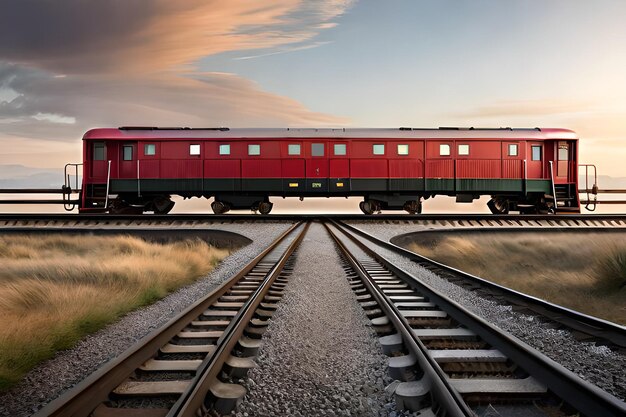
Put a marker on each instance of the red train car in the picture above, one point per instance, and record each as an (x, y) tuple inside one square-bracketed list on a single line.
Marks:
[(138, 169)]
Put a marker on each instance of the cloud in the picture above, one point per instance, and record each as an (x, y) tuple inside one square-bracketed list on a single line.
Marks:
[(55, 118), (520, 108), (592, 119), (286, 50), (69, 65), (605, 128), (63, 108), (113, 36)]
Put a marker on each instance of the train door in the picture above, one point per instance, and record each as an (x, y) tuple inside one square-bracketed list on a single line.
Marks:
[(536, 160), (293, 167), (317, 168), (128, 160), (440, 175), (99, 163), (564, 156), (339, 171)]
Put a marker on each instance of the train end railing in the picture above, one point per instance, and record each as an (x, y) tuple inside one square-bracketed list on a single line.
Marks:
[(70, 192), (589, 194)]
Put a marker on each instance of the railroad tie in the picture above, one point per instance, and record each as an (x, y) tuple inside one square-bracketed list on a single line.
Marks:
[(413, 395), (147, 388), (391, 343), (527, 385), (467, 355), (171, 348), (238, 367), (227, 396), (249, 346), (104, 411), (458, 333), (157, 365), (401, 366)]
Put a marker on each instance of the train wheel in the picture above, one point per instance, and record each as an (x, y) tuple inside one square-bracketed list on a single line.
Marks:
[(367, 207), (546, 208), (265, 207), (527, 209), (413, 207), (119, 206), (498, 205), (162, 205), (219, 207)]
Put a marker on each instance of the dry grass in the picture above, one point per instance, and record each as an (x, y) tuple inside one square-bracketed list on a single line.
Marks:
[(582, 271), (56, 289)]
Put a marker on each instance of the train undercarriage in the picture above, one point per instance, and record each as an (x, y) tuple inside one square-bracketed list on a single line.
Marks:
[(163, 204), (129, 204), (223, 204), (537, 203), (99, 198)]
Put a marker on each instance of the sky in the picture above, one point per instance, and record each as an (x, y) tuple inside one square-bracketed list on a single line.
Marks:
[(70, 65)]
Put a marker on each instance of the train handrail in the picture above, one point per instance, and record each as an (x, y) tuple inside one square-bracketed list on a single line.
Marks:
[(525, 177), (138, 181), (106, 196), (67, 175), (553, 186), (594, 188), (68, 203)]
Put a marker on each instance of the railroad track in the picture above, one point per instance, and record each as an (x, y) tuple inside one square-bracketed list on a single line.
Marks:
[(452, 362), (26, 222), (190, 366), (168, 403), (582, 326)]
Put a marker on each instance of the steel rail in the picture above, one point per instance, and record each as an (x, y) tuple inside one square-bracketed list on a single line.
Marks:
[(602, 329), (192, 400), (601, 191), (18, 201), (582, 395), (33, 191), (356, 216), (615, 202), (442, 392), (8, 220), (84, 397)]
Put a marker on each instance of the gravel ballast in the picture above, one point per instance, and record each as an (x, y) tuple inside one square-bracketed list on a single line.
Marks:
[(596, 364), (320, 355), (67, 368)]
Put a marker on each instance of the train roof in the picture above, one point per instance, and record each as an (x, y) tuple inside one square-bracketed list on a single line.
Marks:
[(186, 133)]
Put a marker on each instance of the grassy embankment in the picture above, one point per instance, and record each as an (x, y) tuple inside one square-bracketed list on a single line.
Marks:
[(585, 272), (54, 290)]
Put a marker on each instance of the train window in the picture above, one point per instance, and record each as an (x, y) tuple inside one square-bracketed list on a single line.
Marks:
[(294, 149), (149, 149), (340, 149), (536, 153), (463, 149), (254, 149), (225, 149), (378, 149), (513, 149), (403, 149), (194, 149), (98, 151), (563, 152), (127, 152), (444, 149), (317, 149)]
